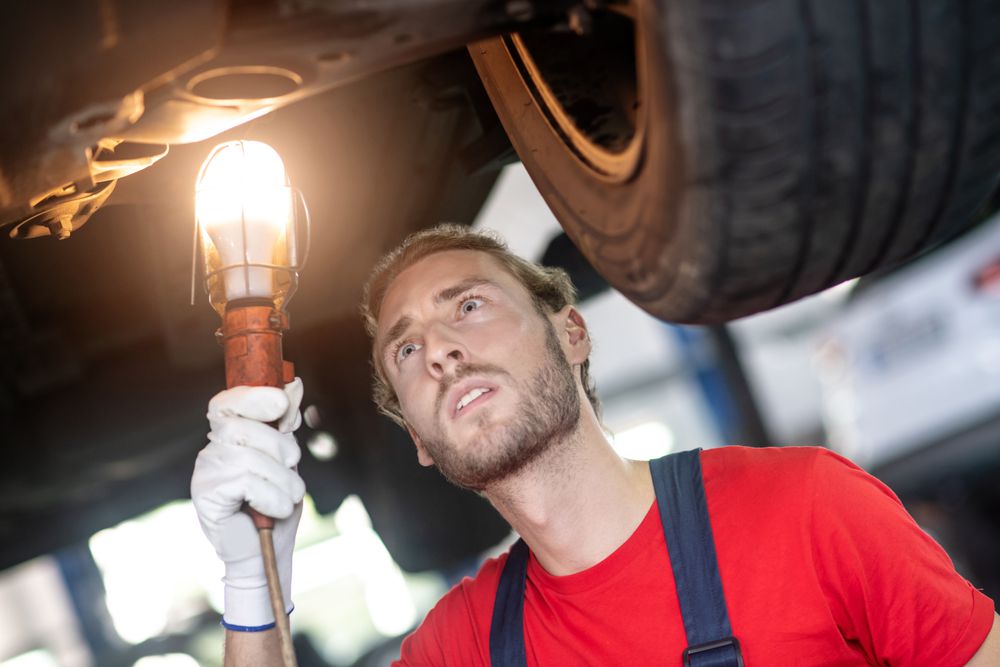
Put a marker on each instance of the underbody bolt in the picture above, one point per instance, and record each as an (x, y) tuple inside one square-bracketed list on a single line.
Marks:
[(61, 227)]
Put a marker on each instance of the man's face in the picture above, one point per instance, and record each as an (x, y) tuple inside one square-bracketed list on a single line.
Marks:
[(482, 379)]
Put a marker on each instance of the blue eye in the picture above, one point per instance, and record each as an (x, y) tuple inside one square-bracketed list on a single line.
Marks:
[(471, 304), (405, 350)]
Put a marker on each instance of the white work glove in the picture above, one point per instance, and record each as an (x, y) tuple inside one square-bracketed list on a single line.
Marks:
[(248, 460)]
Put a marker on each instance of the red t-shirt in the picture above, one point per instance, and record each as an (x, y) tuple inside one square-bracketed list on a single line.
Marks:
[(820, 565)]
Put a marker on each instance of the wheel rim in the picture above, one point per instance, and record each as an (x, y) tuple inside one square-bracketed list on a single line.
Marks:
[(590, 90)]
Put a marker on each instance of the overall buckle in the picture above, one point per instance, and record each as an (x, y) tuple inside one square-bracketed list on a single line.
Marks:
[(712, 646)]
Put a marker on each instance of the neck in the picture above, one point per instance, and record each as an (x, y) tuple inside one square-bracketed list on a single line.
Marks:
[(578, 502)]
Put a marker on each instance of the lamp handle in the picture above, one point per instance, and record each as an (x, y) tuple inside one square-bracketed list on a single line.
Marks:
[(251, 340)]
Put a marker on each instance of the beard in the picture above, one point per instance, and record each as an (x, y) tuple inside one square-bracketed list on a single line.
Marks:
[(548, 412)]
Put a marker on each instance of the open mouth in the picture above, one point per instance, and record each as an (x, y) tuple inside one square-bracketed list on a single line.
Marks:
[(472, 398)]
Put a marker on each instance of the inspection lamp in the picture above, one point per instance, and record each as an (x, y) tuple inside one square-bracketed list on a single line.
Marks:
[(248, 225)]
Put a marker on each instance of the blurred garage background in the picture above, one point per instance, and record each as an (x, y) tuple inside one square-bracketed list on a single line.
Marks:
[(900, 372)]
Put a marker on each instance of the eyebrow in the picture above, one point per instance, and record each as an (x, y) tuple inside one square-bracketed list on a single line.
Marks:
[(449, 293), (445, 295), (397, 330)]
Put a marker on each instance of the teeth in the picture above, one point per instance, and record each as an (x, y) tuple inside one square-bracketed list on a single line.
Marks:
[(471, 396)]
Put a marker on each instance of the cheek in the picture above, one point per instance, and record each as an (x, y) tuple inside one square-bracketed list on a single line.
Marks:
[(498, 335), (519, 343), (405, 396), (412, 397)]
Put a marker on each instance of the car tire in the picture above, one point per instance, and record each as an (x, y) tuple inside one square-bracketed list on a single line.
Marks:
[(713, 159)]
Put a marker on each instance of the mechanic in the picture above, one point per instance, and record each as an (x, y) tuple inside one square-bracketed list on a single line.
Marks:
[(483, 358)]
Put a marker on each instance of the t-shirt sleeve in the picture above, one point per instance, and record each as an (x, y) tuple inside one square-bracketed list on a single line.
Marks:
[(423, 646), (891, 588), (456, 630)]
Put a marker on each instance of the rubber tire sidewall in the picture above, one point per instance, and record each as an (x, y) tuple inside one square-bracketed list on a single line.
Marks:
[(633, 232)]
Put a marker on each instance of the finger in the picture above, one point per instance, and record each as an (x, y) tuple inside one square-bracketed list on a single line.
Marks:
[(291, 453), (266, 468), (292, 419), (264, 404), (268, 499), (290, 422), (223, 471), (261, 495), (294, 391), (244, 432)]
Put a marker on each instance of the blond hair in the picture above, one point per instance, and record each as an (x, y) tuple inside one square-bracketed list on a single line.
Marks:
[(550, 290)]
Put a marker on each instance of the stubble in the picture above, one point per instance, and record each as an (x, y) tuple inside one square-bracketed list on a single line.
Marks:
[(547, 413)]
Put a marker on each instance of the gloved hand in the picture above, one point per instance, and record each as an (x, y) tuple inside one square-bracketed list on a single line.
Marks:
[(248, 460)]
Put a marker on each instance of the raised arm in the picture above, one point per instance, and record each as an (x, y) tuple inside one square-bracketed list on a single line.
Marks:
[(247, 460)]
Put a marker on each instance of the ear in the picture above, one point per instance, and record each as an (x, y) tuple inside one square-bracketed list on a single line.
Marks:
[(573, 336), (423, 456)]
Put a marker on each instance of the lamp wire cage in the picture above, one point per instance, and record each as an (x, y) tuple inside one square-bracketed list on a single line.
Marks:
[(298, 241)]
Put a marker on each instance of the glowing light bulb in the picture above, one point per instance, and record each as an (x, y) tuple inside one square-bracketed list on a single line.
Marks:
[(244, 205)]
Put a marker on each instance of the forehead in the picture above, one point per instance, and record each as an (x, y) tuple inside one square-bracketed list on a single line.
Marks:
[(418, 283)]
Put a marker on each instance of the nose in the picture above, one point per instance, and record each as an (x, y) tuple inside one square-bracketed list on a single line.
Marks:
[(444, 352)]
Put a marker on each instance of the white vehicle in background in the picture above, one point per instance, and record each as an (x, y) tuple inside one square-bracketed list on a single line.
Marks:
[(911, 374)]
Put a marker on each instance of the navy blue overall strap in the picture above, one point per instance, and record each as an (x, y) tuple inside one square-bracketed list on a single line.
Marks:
[(507, 628), (680, 495)]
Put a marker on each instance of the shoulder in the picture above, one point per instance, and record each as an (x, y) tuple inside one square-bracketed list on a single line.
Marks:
[(816, 477), (475, 593), (791, 467), (456, 630), (764, 490), (735, 457)]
